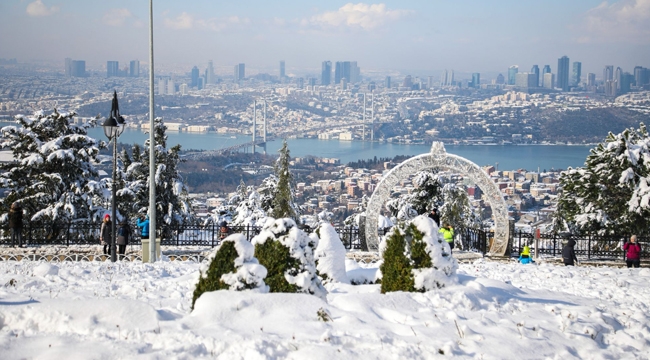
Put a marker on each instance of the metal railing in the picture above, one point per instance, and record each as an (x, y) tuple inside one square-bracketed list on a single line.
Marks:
[(588, 246)]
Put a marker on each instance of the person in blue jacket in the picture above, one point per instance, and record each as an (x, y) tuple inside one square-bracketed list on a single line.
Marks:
[(524, 257), (144, 224)]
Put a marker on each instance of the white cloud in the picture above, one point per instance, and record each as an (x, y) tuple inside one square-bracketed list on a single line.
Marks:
[(622, 21), (182, 22), (116, 17), (37, 8), (364, 16), (187, 21)]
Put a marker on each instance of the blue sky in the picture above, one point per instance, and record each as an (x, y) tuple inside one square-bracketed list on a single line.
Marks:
[(410, 36)]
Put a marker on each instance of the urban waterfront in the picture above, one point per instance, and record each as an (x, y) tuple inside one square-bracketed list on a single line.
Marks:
[(505, 157)]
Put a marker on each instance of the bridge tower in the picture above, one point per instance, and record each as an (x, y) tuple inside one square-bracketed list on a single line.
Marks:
[(363, 133), (264, 128), (372, 116), (254, 123)]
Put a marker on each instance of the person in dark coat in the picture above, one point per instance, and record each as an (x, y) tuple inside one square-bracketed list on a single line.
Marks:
[(569, 253), (16, 224), (105, 234), (632, 252), (224, 230), (435, 216), (123, 236)]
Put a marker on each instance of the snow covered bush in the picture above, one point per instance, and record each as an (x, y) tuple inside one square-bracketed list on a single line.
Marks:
[(330, 254), (415, 258), (233, 267), (288, 255)]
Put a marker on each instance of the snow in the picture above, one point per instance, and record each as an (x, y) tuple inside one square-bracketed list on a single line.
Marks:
[(495, 311), (330, 253)]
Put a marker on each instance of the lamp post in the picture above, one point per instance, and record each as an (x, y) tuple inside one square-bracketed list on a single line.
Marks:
[(113, 128)]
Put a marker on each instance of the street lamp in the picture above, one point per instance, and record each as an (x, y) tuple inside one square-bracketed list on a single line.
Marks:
[(113, 128)]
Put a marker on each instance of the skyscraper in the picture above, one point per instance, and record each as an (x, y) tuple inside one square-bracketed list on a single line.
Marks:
[(563, 73), (545, 70), (577, 73), (209, 76), (240, 72), (387, 82), (347, 70), (476, 80), (512, 74), (282, 72), (591, 79), (500, 80), (112, 68), (535, 70), (195, 77), (549, 80), (78, 68), (618, 78), (326, 73), (608, 73), (134, 68), (626, 81)]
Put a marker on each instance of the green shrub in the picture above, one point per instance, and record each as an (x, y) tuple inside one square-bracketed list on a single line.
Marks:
[(396, 268), (277, 260), (222, 263)]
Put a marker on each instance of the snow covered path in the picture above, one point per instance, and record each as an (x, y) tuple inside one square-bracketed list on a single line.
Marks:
[(84, 310)]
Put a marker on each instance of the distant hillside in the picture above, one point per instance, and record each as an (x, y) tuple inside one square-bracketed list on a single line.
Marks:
[(588, 125)]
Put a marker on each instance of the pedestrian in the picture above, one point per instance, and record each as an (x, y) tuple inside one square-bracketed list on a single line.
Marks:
[(105, 234), (433, 215), (569, 253), (633, 252), (224, 230), (143, 223), (448, 235), (16, 224), (524, 257), (123, 235)]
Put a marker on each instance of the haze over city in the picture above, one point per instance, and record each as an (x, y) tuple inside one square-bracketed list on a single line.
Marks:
[(417, 37)]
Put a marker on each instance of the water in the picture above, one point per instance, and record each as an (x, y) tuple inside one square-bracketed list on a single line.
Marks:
[(508, 157)]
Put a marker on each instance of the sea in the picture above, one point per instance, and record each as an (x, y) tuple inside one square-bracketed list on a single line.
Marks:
[(503, 157)]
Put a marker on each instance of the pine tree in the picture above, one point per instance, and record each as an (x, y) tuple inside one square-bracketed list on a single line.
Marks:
[(53, 177), (283, 206), (611, 194), (172, 207)]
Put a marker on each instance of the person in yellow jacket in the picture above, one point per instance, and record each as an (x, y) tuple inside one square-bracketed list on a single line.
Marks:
[(448, 235)]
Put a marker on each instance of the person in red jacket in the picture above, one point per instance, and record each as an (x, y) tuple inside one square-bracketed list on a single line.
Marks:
[(633, 252)]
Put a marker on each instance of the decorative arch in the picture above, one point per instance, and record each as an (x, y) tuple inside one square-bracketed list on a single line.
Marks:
[(438, 158)]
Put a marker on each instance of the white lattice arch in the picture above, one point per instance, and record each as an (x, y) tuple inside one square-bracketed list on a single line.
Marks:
[(439, 159)]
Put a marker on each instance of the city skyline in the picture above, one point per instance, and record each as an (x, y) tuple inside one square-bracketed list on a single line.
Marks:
[(409, 36)]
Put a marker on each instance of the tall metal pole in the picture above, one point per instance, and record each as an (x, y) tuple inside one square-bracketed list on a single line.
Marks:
[(113, 211), (372, 116), (254, 123), (363, 136), (265, 122), (152, 147)]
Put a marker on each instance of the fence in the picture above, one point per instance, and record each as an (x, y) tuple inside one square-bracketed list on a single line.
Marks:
[(590, 247)]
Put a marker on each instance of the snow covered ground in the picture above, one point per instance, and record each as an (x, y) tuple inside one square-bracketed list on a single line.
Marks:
[(103, 310)]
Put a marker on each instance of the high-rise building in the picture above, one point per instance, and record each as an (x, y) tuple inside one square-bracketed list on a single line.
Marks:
[(476, 80), (134, 68), (347, 70), (500, 80), (282, 71), (610, 88), (209, 74), (545, 70), (563, 73), (79, 68), (326, 73), (535, 70), (408, 82), (387, 82), (591, 79), (112, 68), (525, 80), (618, 77), (195, 77), (512, 74), (162, 86), (549, 80), (641, 76), (240, 72), (577, 73), (447, 78), (171, 87), (626, 82), (430, 82), (608, 73), (183, 89)]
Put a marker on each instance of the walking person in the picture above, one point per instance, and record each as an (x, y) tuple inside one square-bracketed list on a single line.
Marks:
[(632, 252), (144, 224), (569, 253), (123, 235), (448, 235), (433, 215), (16, 224), (524, 257), (106, 234)]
